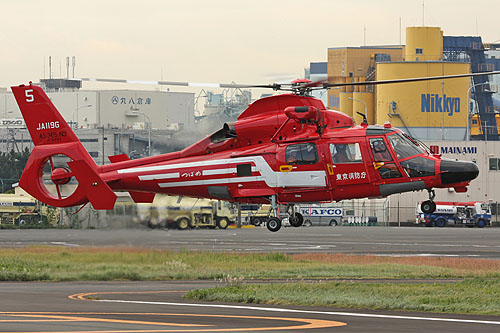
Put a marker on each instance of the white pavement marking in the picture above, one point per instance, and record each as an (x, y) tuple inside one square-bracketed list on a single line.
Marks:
[(65, 244), (347, 314)]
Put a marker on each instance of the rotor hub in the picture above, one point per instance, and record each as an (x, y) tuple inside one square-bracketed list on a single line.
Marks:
[(61, 176)]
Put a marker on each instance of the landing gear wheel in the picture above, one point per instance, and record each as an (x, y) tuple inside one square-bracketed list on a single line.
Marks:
[(428, 207), (296, 220), (273, 224)]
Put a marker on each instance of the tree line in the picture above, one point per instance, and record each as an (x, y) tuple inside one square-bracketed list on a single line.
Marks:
[(11, 167)]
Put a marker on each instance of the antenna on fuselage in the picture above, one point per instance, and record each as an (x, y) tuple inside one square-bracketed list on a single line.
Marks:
[(365, 120)]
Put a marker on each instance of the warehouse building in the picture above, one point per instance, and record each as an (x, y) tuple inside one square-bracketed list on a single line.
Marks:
[(108, 122)]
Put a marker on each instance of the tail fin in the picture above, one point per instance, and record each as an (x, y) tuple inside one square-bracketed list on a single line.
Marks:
[(44, 122), (53, 136)]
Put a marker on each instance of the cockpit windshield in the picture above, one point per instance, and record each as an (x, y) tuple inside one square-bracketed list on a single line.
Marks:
[(404, 147)]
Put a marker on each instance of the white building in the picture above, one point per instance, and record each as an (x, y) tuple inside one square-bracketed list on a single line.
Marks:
[(122, 109)]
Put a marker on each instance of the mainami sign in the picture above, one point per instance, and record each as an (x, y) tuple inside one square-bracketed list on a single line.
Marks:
[(461, 150), (439, 103)]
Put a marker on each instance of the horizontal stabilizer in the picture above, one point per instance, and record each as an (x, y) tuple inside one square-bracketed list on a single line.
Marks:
[(142, 197), (100, 195), (119, 158)]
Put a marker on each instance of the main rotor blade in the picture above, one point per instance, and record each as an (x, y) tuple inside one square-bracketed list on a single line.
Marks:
[(416, 79), (183, 84), (287, 86)]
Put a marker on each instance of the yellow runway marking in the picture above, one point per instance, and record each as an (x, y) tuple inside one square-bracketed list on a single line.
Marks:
[(121, 321), (56, 317), (72, 317), (83, 296)]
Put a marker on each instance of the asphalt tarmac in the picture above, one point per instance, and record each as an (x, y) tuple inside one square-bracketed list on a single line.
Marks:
[(159, 306), (405, 241)]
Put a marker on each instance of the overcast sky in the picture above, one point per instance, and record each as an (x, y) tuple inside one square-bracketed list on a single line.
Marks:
[(212, 41)]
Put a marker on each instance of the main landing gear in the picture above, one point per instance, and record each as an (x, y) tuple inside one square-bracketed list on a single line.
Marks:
[(429, 206), (274, 223)]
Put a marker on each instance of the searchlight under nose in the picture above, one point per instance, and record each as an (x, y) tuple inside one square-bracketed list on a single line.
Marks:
[(454, 171)]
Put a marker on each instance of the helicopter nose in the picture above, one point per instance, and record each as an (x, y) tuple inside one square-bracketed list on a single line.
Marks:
[(454, 171)]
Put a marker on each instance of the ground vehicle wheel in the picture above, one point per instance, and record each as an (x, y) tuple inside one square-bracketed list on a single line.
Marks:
[(333, 223), (307, 223), (429, 223), (428, 207), (222, 223), (273, 224), (182, 223), (481, 223), (255, 221), (296, 220), (22, 222), (440, 222)]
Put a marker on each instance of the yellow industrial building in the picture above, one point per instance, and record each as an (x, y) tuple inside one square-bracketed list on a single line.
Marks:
[(430, 110)]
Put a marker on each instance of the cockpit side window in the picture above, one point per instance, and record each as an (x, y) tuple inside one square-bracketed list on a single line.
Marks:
[(302, 153), (388, 171), (345, 153), (379, 150), (403, 147)]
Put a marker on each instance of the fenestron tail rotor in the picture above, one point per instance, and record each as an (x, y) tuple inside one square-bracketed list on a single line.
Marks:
[(56, 173)]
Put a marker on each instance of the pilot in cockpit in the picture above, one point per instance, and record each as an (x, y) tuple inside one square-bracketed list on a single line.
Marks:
[(342, 154)]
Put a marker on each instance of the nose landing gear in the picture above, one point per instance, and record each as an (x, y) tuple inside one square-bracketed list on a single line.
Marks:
[(273, 223), (429, 206)]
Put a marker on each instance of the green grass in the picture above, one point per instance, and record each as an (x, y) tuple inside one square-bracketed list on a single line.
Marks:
[(104, 264), (478, 289), (474, 296), (62, 264)]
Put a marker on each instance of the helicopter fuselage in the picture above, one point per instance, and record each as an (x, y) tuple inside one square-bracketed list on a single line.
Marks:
[(299, 157)]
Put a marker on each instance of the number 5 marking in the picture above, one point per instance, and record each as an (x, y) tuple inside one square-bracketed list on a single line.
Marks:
[(29, 95)]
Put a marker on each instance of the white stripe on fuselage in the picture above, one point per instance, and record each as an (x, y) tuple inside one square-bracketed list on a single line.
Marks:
[(160, 176), (315, 178), (213, 181)]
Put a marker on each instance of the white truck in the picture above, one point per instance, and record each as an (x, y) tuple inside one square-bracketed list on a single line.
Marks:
[(472, 213), (318, 215)]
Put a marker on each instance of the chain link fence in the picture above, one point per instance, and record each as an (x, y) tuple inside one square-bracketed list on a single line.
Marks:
[(374, 212)]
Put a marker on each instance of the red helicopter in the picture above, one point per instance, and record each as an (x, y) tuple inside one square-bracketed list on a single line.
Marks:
[(283, 149)]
